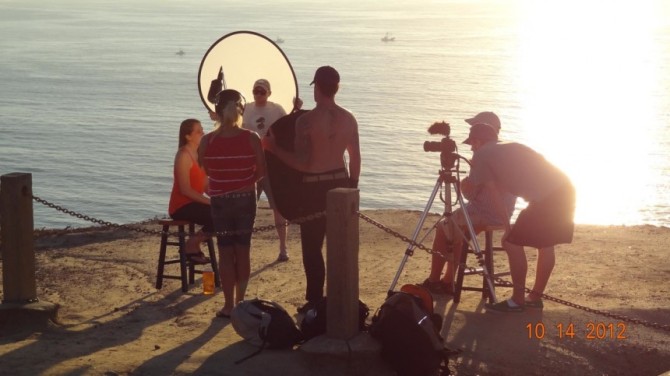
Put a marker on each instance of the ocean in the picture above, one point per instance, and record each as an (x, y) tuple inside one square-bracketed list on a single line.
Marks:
[(93, 93)]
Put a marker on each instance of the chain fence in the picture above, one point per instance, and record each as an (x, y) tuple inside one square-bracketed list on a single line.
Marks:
[(396, 234)]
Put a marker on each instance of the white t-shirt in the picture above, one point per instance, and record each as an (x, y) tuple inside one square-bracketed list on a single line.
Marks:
[(259, 119)]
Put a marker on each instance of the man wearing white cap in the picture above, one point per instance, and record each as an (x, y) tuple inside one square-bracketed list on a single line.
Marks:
[(544, 223), (259, 115), (448, 240)]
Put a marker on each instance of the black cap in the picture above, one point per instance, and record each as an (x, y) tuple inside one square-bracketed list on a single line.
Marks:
[(326, 75)]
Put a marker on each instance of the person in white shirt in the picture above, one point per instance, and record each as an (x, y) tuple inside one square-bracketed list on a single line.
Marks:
[(259, 115)]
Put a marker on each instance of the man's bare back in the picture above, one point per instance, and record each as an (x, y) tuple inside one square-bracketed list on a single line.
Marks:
[(323, 135)]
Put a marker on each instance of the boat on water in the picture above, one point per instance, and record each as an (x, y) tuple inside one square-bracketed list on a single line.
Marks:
[(180, 53), (279, 41), (387, 38)]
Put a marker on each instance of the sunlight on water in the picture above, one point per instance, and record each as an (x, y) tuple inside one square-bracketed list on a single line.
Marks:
[(585, 83), (585, 115)]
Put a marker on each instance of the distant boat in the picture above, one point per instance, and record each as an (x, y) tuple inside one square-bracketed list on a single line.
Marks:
[(180, 53), (279, 41), (386, 38)]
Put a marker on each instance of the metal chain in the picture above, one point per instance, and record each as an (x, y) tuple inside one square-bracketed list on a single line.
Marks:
[(319, 215), (148, 231), (501, 281), (398, 235), (86, 218)]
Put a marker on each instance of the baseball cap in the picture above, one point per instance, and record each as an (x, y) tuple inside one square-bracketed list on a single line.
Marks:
[(483, 132), (326, 75), (486, 117), (265, 84)]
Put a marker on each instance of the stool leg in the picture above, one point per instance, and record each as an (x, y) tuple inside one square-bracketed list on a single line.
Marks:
[(161, 257), (461, 273), (191, 267), (212, 260), (182, 258)]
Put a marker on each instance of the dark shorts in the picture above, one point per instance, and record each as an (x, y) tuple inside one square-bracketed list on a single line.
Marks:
[(546, 223), (234, 212), (195, 212)]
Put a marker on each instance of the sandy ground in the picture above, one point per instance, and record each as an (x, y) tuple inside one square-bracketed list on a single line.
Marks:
[(112, 320)]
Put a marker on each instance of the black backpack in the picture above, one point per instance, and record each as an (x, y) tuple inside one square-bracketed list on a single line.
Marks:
[(314, 322), (265, 324), (409, 336)]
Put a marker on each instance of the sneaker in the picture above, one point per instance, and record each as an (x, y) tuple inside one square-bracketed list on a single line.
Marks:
[(283, 257), (306, 307), (503, 307), (447, 287), (537, 304), (439, 287)]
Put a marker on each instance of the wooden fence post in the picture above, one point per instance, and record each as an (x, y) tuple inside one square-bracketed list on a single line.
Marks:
[(18, 253), (342, 263)]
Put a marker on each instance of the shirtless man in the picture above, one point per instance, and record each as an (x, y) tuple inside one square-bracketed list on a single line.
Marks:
[(322, 136)]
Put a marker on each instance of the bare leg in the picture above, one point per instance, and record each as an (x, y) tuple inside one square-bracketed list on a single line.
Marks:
[(228, 276), (282, 231), (242, 271), (450, 272), (194, 241), (437, 261), (546, 258), (518, 266)]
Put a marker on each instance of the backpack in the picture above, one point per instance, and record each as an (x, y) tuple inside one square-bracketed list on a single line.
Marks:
[(314, 322), (265, 324), (409, 336)]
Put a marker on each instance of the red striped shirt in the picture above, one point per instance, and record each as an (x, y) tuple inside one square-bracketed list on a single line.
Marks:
[(230, 162)]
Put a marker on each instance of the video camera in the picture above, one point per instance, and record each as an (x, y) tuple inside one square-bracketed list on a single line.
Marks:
[(446, 147)]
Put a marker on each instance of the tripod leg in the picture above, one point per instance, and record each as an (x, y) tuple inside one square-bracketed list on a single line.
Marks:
[(410, 248)]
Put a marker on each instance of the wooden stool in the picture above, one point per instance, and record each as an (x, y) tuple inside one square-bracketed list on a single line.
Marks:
[(487, 253), (183, 262)]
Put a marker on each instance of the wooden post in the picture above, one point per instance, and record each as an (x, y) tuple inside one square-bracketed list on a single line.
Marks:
[(18, 253), (342, 263)]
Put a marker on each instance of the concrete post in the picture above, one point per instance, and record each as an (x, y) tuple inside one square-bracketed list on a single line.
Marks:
[(342, 263)]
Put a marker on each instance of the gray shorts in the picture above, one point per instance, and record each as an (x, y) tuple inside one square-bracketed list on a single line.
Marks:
[(234, 212)]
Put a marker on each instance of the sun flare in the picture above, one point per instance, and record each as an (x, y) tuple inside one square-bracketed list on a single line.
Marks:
[(588, 72)]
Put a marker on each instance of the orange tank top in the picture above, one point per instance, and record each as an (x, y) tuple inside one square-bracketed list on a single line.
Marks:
[(197, 180)]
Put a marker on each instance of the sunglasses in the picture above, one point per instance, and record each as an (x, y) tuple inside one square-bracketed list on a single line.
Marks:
[(259, 92)]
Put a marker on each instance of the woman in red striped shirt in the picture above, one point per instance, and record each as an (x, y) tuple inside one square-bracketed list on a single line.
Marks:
[(234, 161)]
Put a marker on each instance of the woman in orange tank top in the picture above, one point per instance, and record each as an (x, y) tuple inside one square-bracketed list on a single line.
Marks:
[(188, 201)]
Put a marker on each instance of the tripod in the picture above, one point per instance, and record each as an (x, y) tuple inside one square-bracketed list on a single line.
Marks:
[(446, 177)]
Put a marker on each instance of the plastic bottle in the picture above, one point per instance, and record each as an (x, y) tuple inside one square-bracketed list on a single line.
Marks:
[(208, 280)]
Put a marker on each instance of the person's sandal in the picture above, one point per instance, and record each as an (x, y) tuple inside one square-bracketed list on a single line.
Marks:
[(283, 257), (197, 258), (223, 315), (503, 307)]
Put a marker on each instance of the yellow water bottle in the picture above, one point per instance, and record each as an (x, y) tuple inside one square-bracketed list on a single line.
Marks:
[(208, 281)]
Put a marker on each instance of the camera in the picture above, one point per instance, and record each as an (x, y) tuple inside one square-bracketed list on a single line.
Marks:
[(446, 146)]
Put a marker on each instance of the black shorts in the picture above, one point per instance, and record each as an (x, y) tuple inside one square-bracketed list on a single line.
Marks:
[(546, 223), (195, 212)]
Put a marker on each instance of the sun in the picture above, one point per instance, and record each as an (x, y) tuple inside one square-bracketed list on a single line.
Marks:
[(589, 76)]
